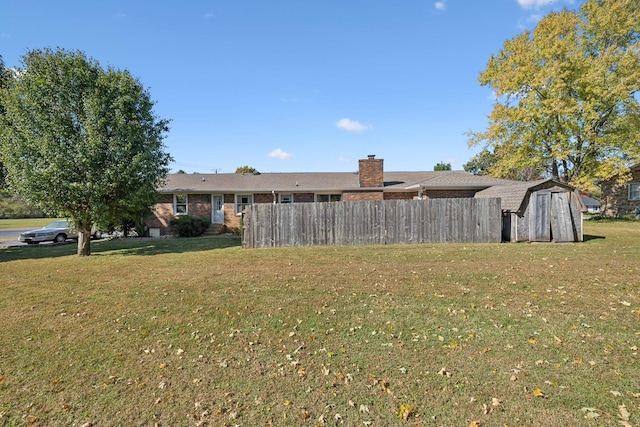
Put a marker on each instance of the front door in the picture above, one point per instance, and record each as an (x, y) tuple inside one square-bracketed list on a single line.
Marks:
[(217, 211)]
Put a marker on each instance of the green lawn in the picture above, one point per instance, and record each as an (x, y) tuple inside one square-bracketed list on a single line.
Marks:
[(201, 332), (25, 222)]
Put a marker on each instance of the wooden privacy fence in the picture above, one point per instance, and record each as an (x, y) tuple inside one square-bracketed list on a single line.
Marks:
[(372, 222)]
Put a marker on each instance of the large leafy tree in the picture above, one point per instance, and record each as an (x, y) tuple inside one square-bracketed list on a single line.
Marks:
[(566, 96), (81, 141), (4, 76)]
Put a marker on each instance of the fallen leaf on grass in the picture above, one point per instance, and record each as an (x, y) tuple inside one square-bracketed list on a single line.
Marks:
[(444, 373), (590, 413), (486, 409), (624, 414), (537, 393), (405, 411), (474, 423), (616, 393)]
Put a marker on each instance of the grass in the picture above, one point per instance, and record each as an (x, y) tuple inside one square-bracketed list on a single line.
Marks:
[(201, 332), (25, 222)]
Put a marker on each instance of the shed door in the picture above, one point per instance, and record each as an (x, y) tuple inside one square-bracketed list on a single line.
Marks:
[(551, 218), (539, 217), (562, 227)]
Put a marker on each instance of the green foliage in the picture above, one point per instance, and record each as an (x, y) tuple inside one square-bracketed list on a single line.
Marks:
[(442, 166), (4, 75), (566, 101), (188, 226), (485, 162), (14, 206), (480, 163), (81, 142), (246, 169)]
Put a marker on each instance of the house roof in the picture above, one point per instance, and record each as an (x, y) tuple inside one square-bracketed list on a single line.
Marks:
[(513, 193), (322, 181), (590, 201)]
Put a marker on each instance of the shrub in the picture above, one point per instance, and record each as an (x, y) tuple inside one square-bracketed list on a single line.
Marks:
[(188, 226)]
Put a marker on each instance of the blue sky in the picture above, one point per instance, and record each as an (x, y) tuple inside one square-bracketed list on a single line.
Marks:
[(294, 85)]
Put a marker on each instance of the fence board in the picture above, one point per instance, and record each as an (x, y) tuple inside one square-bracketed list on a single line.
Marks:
[(372, 222)]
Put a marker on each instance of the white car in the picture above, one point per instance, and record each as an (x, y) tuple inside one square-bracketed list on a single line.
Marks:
[(57, 231)]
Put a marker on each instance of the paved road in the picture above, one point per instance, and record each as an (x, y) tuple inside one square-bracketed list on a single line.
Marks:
[(9, 236)]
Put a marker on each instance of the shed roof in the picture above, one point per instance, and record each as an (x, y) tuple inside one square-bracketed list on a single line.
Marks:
[(513, 194)]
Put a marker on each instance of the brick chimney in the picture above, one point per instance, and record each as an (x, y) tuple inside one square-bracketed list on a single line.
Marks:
[(370, 172)]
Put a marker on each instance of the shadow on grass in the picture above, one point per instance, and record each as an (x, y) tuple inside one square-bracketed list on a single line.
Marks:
[(588, 237), (140, 247)]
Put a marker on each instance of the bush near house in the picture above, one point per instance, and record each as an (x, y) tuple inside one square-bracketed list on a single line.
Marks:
[(188, 226)]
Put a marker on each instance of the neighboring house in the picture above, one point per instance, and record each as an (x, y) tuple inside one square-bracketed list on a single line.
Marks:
[(591, 204), (222, 197), (621, 198)]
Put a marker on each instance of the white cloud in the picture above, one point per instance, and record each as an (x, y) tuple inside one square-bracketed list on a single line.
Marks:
[(440, 5), (208, 15), (344, 159), (530, 4), (535, 18), (351, 125), (278, 153)]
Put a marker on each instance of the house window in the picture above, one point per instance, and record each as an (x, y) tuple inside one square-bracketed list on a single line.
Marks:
[(328, 197), (286, 198), (243, 200), (180, 204), (634, 191)]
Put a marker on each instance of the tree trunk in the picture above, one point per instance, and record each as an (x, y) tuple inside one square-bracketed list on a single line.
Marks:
[(84, 241)]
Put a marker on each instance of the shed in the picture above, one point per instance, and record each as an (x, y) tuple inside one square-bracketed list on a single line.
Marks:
[(539, 211)]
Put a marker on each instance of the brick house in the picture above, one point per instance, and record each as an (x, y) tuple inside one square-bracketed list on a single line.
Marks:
[(221, 197), (621, 198)]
